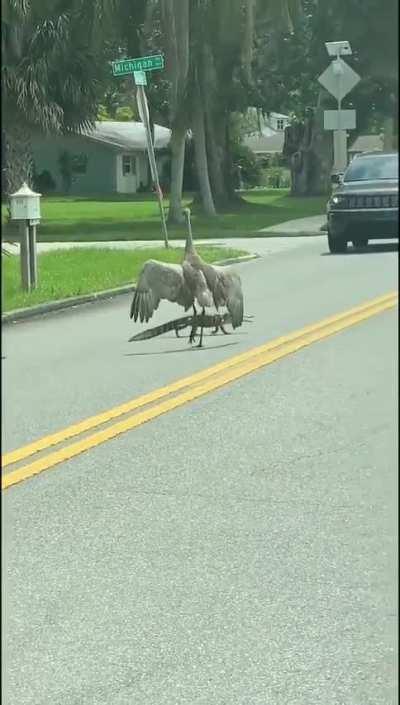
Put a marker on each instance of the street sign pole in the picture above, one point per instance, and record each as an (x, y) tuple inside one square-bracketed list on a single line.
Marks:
[(144, 114), (138, 67), (340, 143), (339, 79)]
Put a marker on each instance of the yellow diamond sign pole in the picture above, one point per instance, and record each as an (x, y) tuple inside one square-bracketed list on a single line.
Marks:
[(139, 67), (339, 79)]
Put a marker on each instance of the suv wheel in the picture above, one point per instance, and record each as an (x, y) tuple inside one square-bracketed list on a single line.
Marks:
[(336, 245), (360, 242)]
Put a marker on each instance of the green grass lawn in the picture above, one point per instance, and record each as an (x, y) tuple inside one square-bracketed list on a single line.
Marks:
[(66, 273), (137, 218)]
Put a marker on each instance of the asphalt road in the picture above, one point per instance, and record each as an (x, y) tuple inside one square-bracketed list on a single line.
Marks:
[(243, 554), (71, 364)]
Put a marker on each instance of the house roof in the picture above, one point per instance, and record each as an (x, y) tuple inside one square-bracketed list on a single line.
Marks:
[(127, 135), (367, 143), (268, 142)]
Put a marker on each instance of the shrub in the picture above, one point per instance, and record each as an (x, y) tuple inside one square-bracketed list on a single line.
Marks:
[(250, 169), (276, 177), (44, 182)]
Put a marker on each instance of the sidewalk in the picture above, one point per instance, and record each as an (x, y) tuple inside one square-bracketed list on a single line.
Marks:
[(294, 233), (257, 245)]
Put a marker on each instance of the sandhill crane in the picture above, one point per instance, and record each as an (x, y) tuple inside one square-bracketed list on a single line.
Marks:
[(181, 284), (225, 285)]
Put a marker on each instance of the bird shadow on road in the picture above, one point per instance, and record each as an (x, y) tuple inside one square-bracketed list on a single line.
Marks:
[(206, 335), (369, 250), (181, 350)]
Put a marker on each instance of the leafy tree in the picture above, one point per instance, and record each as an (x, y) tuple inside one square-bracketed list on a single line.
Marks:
[(226, 76), (295, 59), (117, 101), (372, 30), (208, 46)]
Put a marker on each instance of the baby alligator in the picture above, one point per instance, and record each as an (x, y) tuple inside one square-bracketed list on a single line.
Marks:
[(215, 321)]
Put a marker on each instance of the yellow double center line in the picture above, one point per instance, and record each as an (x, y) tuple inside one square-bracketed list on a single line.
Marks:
[(178, 393)]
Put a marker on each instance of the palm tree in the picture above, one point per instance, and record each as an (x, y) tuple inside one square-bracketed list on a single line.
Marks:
[(51, 72)]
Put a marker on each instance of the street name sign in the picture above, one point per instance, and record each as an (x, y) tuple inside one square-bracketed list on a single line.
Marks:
[(144, 63), (339, 79), (346, 120)]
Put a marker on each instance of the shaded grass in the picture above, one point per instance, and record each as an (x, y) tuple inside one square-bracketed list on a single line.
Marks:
[(82, 271), (136, 217)]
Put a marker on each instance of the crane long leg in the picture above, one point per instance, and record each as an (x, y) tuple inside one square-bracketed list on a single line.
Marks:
[(200, 345), (192, 336), (193, 331), (217, 325)]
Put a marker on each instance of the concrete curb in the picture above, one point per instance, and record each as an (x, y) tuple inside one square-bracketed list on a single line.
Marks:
[(20, 314), (299, 233), (236, 260)]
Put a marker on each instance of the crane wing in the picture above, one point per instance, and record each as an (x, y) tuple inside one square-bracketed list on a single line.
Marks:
[(229, 290), (157, 280)]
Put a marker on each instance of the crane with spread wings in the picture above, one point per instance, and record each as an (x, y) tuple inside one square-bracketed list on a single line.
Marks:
[(223, 282), (194, 281), (181, 284)]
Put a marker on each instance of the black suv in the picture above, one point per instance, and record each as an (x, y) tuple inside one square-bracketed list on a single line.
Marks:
[(366, 203)]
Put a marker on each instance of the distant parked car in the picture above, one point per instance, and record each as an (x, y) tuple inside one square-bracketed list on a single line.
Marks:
[(365, 204)]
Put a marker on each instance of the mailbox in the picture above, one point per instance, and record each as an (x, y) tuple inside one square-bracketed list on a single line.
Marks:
[(25, 209), (25, 204)]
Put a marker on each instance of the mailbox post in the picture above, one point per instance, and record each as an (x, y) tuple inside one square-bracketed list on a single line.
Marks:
[(25, 208)]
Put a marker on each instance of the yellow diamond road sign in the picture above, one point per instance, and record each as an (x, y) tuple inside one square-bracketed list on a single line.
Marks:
[(339, 79)]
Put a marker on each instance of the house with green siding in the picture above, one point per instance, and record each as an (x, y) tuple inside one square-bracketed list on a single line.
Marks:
[(109, 159)]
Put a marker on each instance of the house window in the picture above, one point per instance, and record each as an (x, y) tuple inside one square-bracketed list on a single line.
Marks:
[(79, 163), (128, 164), (280, 124)]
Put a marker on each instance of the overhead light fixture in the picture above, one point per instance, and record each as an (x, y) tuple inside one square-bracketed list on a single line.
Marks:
[(338, 48)]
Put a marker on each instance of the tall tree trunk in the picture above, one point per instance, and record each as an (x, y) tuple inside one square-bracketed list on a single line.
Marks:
[(215, 159), (177, 147), (388, 134), (321, 156), (214, 122), (309, 149), (216, 128), (19, 159), (199, 134), (228, 163), (248, 38), (219, 158), (175, 24)]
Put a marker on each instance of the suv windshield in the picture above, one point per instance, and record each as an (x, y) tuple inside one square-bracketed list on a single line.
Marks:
[(369, 168)]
